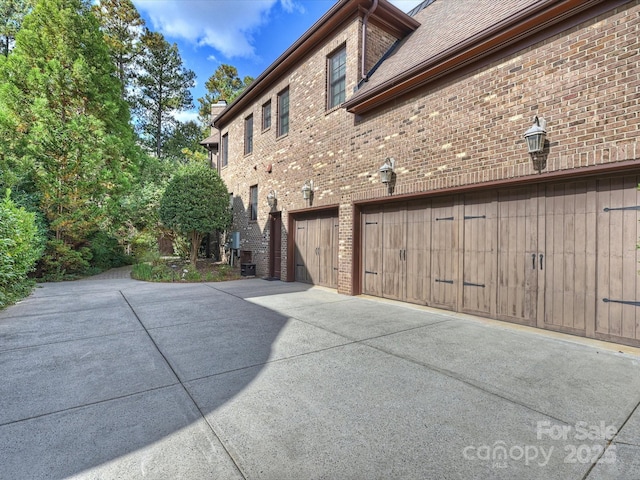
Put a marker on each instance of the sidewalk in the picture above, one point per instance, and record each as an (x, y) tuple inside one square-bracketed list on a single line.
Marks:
[(114, 378)]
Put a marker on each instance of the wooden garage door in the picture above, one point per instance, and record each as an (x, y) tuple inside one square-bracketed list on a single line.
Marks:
[(316, 250), (558, 256)]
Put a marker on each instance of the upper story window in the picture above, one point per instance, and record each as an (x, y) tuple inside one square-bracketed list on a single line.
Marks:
[(266, 116), (248, 135), (224, 150), (337, 78), (283, 112), (253, 203)]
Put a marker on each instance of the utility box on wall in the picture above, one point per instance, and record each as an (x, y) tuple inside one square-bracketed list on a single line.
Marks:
[(235, 240)]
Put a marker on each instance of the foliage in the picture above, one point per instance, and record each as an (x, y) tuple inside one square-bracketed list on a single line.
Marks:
[(106, 252), (65, 129), (224, 84), (195, 203), (20, 248), (162, 88), (173, 271), (185, 135), (12, 13), (122, 27)]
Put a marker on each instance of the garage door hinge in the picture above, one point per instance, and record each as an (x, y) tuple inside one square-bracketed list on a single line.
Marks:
[(624, 302), (635, 207), (472, 217), (444, 281), (444, 218), (370, 223), (469, 284), (372, 273)]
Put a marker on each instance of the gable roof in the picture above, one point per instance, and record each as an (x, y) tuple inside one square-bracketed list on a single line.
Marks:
[(454, 33), (385, 15)]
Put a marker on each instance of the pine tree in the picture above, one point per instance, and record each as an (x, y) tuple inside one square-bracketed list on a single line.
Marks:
[(162, 88), (12, 13), (224, 84), (122, 27)]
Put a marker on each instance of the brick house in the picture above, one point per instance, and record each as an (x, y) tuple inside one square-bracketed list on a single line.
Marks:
[(469, 222)]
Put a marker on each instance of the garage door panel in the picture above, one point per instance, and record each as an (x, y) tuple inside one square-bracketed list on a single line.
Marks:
[(518, 257), (393, 243), (418, 247), (618, 302), (479, 253), (372, 253), (315, 250), (443, 248)]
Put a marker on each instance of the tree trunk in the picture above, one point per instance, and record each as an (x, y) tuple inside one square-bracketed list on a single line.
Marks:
[(196, 240)]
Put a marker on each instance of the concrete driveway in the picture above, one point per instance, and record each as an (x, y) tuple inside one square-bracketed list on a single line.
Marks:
[(114, 378)]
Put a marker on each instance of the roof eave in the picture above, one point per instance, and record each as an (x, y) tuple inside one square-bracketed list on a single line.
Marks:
[(386, 16), (530, 20)]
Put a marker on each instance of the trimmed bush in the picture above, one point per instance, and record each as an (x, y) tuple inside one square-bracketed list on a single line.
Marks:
[(20, 249)]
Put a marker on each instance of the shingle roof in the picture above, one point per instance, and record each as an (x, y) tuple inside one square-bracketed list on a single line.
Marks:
[(445, 24)]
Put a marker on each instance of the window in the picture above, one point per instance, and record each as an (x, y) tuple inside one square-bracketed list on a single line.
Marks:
[(337, 78), (283, 112), (266, 116), (248, 135), (253, 203), (224, 151)]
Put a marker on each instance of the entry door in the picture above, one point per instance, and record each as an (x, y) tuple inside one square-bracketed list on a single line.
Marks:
[(618, 282), (275, 245)]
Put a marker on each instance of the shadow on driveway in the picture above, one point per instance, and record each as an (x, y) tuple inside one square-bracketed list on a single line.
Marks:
[(254, 379)]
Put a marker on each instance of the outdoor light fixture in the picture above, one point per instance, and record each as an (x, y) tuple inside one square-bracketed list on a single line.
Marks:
[(535, 138), (307, 190), (272, 199), (386, 170)]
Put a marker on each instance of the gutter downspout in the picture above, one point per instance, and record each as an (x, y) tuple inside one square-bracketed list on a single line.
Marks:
[(365, 22)]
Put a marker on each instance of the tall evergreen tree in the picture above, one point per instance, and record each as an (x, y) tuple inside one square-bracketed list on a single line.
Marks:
[(61, 115), (162, 89), (224, 84), (122, 27)]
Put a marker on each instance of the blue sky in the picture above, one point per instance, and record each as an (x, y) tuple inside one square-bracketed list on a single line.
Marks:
[(248, 34)]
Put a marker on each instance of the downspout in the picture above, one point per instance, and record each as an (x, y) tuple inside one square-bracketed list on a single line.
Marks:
[(364, 38)]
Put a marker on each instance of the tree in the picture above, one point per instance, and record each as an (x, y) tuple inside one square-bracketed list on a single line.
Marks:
[(163, 88), (224, 84), (185, 135), (122, 27), (195, 202), (12, 13), (62, 118)]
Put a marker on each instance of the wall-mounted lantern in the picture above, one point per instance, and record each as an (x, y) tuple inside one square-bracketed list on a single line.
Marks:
[(386, 170), (272, 199), (535, 138), (307, 191)]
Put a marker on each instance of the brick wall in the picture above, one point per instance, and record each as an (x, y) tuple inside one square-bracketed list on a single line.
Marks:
[(468, 130)]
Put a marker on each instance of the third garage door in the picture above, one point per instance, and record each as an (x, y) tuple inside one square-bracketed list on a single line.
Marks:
[(558, 256)]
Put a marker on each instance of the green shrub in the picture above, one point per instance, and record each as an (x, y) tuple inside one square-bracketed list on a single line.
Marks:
[(106, 252), (20, 248), (61, 262)]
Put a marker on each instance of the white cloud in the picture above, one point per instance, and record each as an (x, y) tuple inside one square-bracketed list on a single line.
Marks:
[(226, 25), (186, 115)]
